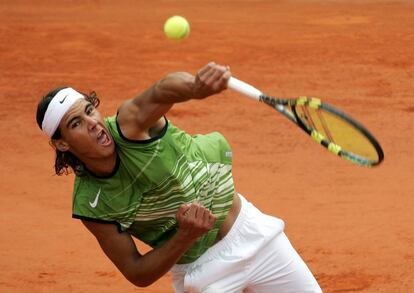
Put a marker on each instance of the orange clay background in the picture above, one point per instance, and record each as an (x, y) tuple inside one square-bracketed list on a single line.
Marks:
[(353, 226)]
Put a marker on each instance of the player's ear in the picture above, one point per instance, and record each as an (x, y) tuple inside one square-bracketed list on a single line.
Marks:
[(60, 145)]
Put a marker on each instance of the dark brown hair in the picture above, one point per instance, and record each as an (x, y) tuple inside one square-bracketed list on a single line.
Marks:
[(64, 160)]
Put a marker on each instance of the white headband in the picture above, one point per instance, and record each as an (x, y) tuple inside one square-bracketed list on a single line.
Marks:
[(57, 108)]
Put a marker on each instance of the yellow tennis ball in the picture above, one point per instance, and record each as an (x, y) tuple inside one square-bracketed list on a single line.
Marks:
[(176, 28)]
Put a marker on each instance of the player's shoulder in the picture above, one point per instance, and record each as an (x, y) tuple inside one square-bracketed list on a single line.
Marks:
[(127, 113)]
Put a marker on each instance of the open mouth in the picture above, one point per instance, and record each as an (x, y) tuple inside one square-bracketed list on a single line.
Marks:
[(103, 138)]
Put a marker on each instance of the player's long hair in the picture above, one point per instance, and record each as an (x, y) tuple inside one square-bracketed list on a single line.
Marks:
[(64, 160)]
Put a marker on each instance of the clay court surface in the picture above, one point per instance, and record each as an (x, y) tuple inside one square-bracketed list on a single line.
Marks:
[(353, 226)]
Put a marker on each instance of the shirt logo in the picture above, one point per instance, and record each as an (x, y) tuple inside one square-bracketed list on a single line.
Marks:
[(95, 202), (61, 101)]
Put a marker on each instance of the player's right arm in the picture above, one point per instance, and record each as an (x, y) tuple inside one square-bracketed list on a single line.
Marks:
[(143, 270), (143, 115)]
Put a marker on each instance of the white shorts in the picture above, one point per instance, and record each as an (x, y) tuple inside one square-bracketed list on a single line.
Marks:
[(254, 256)]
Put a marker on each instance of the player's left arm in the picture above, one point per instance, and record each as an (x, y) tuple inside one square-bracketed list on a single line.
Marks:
[(138, 116)]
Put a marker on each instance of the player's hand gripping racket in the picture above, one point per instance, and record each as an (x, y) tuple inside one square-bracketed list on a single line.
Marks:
[(330, 127)]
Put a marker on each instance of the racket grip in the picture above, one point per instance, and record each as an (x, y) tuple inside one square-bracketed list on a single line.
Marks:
[(244, 88)]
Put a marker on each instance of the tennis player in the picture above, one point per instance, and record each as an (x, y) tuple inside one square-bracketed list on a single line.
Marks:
[(138, 175)]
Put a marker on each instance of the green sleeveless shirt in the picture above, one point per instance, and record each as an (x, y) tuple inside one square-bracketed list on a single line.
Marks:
[(152, 178)]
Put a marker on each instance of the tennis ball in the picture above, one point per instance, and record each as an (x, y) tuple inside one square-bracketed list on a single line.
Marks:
[(176, 28)]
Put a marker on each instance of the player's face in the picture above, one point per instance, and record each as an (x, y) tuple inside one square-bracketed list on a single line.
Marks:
[(84, 132)]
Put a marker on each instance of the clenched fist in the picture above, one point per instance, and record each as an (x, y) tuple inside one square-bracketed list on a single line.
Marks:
[(194, 220)]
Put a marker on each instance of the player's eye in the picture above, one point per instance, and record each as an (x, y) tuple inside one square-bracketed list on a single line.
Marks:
[(74, 124), (89, 110)]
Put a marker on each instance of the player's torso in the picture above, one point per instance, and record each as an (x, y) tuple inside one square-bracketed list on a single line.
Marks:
[(153, 178)]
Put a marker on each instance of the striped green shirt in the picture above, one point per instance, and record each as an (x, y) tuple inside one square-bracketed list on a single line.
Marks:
[(152, 178)]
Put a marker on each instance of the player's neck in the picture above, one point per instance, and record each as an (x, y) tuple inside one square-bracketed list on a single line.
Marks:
[(102, 167)]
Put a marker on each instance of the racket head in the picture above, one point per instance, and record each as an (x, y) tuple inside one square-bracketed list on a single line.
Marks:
[(337, 131)]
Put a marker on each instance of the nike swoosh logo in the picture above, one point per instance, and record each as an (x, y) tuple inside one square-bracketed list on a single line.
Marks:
[(61, 101), (95, 202)]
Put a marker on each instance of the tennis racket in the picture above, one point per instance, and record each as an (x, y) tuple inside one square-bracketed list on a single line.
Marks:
[(328, 126)]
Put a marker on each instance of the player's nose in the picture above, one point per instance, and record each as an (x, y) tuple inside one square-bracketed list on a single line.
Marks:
[(91, 122)]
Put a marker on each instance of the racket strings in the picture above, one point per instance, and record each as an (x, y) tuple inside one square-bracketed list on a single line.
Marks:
[(331, 128), (325, 126), (338, 134), (314, 119), (315, 123), (308, 118)]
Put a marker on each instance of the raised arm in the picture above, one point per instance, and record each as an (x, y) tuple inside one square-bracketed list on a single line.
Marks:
[(143, 270), (138, 116)]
